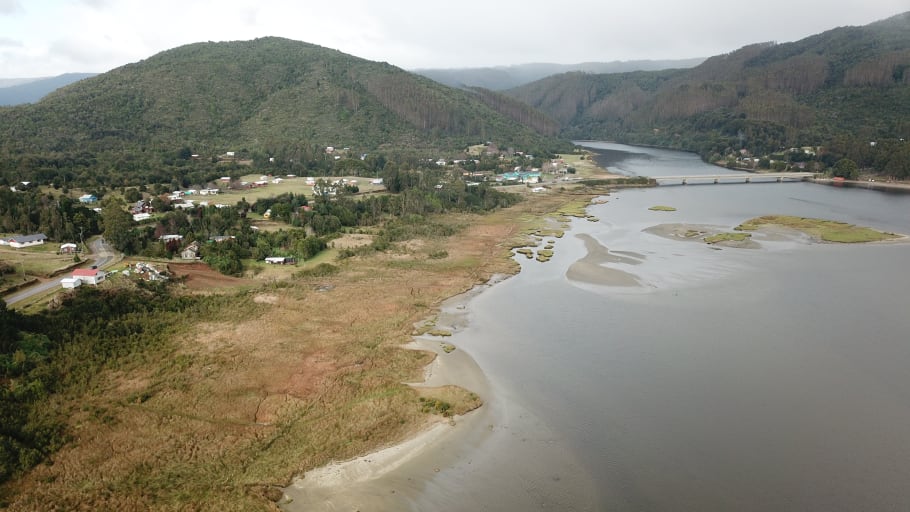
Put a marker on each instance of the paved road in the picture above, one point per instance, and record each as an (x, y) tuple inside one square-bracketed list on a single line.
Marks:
[(102, 254)]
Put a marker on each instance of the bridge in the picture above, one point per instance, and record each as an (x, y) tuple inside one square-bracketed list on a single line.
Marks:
[(742, 177)]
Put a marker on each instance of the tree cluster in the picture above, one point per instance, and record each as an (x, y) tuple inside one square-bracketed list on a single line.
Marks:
[(62, 219)]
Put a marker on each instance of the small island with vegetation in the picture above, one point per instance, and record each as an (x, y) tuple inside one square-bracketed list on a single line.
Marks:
[(824, 230)]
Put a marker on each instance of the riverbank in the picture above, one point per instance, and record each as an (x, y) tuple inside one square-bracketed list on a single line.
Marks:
[(503, 453), (901, 186), (376, 480), (422, 467)]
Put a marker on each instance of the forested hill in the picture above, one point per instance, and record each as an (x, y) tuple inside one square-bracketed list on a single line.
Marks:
[(267, 96), (839, 88)]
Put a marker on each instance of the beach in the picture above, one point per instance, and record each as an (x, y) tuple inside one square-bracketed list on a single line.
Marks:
[(485, 450)]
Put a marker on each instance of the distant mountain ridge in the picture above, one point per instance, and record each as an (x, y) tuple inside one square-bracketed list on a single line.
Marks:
[(849, 83), (498, 78), (18, 91)]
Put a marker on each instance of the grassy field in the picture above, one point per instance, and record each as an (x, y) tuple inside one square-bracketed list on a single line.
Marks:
[(39, 261), (281, 372), (296, 185), (826, 230), (585, 166)]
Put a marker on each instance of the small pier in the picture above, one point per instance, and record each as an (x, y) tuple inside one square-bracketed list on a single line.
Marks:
[(742, 177)]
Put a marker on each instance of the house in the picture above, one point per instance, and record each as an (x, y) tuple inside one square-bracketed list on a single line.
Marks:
[(142, 206), (280, 260), (88, 199), (70, 282), (191, 252), (68, 248), (20, 241), (170, 238), (139, 217), (92, 276)]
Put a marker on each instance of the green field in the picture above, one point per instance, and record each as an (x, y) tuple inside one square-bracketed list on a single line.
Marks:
[(38, 261), (296, 185)]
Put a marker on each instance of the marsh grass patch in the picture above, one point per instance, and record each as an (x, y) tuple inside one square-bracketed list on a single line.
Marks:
[(825, 230)]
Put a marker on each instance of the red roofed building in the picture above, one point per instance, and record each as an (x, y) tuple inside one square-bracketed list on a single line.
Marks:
[(89, 275)]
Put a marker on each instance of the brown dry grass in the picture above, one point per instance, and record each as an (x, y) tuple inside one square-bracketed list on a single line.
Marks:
[(307, 371), (199, 276)]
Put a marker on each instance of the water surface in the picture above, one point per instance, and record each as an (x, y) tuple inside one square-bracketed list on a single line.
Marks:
[(733, 379)]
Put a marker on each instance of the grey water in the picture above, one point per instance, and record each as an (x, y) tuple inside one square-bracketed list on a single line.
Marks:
[(775, 378)]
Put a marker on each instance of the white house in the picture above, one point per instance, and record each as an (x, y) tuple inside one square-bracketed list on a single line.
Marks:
[(20, 241), (68, 248), (70, 282), (280, 260), (139, 217), (190, 252), (91, 276), (87, 199)]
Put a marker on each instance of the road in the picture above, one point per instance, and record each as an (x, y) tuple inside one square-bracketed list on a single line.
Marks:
[(102, 254)]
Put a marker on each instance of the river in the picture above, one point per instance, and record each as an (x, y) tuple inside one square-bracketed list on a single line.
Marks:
[(771, 378)]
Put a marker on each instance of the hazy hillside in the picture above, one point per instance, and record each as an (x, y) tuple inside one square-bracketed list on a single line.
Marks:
[(268, 96), (507, 77), (847, 83), (27, 90)]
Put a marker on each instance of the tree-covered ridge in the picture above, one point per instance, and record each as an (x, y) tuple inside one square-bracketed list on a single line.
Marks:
[(851, 82), (267, 96)]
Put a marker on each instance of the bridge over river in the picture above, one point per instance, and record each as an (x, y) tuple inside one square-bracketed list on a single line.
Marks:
[(742, 177)]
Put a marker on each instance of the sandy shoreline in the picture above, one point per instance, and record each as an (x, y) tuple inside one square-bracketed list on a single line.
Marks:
[(368, 482), (500, 457)]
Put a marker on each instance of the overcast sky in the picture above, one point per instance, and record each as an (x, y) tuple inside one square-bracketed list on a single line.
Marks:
[(50, 37)]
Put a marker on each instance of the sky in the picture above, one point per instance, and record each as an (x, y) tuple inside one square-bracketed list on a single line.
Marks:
[(49, 37)]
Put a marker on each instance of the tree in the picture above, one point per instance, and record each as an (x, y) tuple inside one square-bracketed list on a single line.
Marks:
[(118, 224), (132, 194), (845, 168)]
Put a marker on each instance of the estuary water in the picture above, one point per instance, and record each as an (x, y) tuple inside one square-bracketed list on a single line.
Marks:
[(641, 370), (768, 378)]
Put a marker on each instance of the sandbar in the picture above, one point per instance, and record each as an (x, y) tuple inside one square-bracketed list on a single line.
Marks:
[(590, 269)]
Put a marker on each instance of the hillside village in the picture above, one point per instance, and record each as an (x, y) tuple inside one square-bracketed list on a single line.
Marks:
[(266, 203)]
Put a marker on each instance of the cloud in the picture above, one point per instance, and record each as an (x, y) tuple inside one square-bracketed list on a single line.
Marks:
[(10, 7), (98, 35)]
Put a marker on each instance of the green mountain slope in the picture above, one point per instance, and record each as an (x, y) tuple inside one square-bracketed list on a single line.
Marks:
[(850, 82), (268, 96)]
